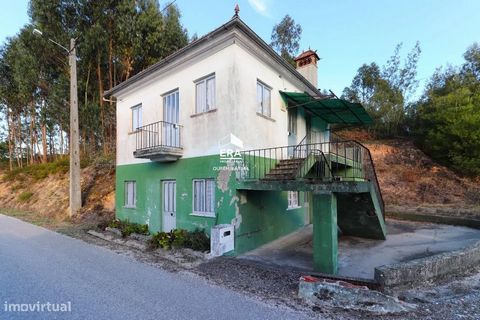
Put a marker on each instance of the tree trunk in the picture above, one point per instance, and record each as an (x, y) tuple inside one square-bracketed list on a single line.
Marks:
[(19, 142), (84, 139), (44, 143), (10, 136), (100, 100), (61, 140), (110, 78), (32, 132), (110, 63)]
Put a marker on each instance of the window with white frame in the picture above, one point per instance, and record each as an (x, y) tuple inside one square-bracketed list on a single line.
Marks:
[(205, 94), (136, 117), (293, 199), (264, 99), (130, 194), (204, 197)]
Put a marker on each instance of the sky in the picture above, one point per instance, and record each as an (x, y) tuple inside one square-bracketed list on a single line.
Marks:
[(345, 33)]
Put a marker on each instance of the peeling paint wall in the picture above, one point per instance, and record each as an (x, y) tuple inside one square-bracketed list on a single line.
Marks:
[(258, 216)]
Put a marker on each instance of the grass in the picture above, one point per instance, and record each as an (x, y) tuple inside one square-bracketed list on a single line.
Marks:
[(25, 196), (38, 171)]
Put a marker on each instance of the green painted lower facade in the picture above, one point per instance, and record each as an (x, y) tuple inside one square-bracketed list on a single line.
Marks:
[(258, 216)]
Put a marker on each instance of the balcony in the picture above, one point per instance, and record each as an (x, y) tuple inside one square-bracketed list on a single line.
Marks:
[(159, 141)]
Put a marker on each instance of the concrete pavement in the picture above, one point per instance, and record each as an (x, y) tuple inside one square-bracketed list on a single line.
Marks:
[(38, 266), (357, 257)]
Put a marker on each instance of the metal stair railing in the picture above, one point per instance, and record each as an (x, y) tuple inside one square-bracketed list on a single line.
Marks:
[(317, 161)]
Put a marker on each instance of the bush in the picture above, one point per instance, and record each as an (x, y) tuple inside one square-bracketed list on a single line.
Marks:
[(25, 196), (127, 228), (197, 240), (180, 238)]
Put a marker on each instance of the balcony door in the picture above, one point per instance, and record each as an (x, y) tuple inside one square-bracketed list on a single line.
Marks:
[(170, 128)]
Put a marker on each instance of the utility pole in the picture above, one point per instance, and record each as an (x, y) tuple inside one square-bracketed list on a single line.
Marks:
[(75, 186)]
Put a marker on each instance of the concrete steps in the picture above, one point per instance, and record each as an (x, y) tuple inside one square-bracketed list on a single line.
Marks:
[(284, 170)]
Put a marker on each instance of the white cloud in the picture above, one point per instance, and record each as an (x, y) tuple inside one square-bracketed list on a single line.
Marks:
[(261, 6)]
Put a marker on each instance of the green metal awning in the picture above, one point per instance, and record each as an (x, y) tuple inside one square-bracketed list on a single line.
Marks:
[(330, 110)]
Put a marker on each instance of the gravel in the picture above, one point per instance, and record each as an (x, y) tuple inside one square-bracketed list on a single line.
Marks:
[(457, 298)]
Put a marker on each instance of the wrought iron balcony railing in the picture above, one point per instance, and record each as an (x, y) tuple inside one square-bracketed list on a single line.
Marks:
[(157, 139)]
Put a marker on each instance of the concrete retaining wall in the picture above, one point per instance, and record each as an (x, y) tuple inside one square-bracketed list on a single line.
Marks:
[(421, 270), (454, 221)]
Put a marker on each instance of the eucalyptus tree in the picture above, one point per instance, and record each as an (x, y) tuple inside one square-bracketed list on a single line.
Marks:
[(387, 92), (115, 40)]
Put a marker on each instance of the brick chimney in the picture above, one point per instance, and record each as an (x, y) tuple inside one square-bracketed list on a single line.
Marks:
[(307, 66)]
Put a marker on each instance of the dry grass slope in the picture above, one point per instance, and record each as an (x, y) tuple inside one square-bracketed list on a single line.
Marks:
[(411, 181), (48, 196)]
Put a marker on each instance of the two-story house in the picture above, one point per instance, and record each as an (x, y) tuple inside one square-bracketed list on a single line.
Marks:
[(225, 131)]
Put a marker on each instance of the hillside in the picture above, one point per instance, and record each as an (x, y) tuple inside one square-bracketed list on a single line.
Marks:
[(410, 182), (45, 191)]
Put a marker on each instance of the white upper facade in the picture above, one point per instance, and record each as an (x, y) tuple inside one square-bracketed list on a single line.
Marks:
[(237, 72)]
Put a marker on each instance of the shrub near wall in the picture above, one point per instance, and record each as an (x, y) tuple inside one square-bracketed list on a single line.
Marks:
[(179, 238)]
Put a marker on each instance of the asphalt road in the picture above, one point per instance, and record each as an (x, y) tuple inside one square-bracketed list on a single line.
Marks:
[(38, 266)]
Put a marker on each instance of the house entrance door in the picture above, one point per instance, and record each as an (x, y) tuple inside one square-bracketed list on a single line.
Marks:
[(169, 205)]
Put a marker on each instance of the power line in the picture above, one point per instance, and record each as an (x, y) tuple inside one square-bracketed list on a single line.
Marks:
[(168, 5)]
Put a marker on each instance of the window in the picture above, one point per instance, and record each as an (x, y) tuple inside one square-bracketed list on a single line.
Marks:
[(171, 107), (204, 196), (263, 99), (293, 200), (292, 120), (136, 117), (205, 94), (130, 194)]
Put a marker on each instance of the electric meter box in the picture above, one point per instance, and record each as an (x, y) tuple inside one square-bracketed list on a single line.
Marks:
[(222, 239)]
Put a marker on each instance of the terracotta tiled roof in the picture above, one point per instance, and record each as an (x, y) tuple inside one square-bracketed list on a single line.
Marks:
[(307, 53)]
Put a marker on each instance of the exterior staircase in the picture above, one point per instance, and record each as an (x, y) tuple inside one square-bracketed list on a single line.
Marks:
[(344, 168), (285, 169)]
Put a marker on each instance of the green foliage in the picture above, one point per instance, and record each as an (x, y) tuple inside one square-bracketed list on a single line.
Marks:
[(180, 238), (197, 240), (38, 171), (25, 196), (116, 39), (386, 92), (3, 151), (447, 119), (286, 38), (127, 228)]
